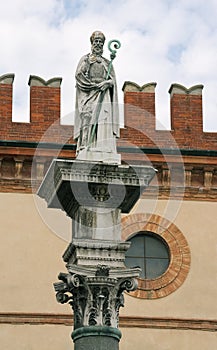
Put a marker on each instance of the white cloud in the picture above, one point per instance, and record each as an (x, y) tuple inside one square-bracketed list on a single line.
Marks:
[(163, 41)]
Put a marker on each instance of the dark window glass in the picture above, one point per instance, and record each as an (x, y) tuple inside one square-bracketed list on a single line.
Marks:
[(137, 246), (150, 252)]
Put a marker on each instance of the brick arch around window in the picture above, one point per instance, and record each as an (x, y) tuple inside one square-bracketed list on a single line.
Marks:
[(180, 257)]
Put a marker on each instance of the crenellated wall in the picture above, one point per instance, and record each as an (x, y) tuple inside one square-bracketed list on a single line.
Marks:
[(186, 115), (44, 112), (186, 118)]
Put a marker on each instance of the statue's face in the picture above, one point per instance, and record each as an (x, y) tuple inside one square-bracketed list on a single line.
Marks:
[(97, 46)]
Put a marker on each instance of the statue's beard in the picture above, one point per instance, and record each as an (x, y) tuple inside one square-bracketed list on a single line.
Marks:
[(97, 50)]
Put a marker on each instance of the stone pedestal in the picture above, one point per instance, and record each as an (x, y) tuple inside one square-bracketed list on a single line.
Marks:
[(94, 194), (69, 183)]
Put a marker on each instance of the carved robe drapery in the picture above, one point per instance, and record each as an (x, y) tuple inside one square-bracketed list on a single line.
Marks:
[(91, 71)]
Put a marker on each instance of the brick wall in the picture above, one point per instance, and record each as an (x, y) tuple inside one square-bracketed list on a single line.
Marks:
[(186, 116), (44, 112)]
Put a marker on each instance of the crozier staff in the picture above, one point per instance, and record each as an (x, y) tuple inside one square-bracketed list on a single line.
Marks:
[(96, 113)]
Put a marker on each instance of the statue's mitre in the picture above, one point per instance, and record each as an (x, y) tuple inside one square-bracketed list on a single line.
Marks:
[(97, 34)]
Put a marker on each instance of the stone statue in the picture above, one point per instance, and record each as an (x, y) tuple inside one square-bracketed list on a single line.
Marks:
[(96, 114)]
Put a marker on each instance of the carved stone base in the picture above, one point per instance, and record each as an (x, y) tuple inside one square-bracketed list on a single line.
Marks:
[(96, 338), (99, 156), (91, 253)]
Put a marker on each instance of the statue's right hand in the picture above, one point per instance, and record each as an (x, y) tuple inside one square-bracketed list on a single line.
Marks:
[(105, 84)]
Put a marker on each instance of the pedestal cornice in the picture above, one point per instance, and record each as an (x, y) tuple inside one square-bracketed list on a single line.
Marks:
[(69, 184)]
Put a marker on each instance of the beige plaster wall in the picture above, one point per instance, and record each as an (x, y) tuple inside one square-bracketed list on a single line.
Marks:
[(30, 259), (30, 256), (154, 339), (58, 337), (196, 298), (29, 337)]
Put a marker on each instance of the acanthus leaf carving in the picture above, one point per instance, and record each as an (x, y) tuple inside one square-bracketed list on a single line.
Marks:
[(95, 300)]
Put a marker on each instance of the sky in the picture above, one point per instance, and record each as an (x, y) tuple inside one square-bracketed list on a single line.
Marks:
[(162, 41)]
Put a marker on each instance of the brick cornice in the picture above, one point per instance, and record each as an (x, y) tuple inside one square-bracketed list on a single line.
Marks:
[(16, 318), (196, 171)]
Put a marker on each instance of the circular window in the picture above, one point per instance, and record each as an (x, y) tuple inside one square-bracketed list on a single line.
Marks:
[(162, 252), (150, 253)]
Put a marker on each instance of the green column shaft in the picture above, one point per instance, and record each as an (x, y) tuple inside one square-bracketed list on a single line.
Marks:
[(96, 338)]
